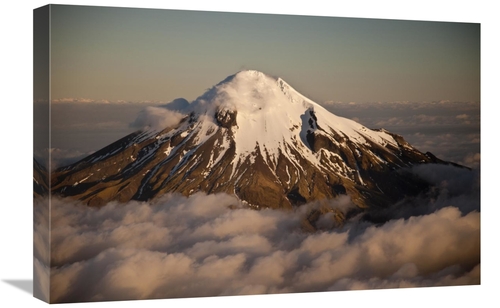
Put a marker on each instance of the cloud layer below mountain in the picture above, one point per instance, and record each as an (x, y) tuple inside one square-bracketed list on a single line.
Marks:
[(198, 246)]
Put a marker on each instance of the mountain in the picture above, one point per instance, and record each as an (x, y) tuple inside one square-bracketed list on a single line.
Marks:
[(40, 180), (253, 136)]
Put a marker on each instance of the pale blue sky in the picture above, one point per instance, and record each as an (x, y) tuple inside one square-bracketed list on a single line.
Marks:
[(160, 55)]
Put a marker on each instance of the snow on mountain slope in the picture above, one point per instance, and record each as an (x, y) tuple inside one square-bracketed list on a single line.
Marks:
[(269, 112), (254, 136), (270, 116)]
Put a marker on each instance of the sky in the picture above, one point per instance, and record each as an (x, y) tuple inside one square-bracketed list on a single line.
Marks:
[(128, 54), (16, 268), (107, 64)]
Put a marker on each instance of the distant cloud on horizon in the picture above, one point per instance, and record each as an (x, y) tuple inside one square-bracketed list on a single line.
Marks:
[(393, 103), (450, 130), (70, 100)]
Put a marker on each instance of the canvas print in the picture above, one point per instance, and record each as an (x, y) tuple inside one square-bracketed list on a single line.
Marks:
[(192, 154)]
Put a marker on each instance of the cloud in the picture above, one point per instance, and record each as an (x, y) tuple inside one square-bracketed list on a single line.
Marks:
[(157, 118), (41, 251), (70, 100), (80, 100), (450, 187), (41, 281), (61, 157), (390, 122), (405, 278), (472, 159), (424, 118), (209, 245), (450, 180), (100, 126), (455, 147), (411, 113), (404, 117), (449, 130)]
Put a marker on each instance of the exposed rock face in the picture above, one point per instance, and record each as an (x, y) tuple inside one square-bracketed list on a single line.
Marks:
[(40, 180), (226, 118), (257, 138)]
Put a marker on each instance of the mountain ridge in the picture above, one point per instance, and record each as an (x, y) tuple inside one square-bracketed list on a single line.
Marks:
[(255, 137)]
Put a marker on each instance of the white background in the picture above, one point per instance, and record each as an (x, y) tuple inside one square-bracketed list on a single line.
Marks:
[(16, 151)]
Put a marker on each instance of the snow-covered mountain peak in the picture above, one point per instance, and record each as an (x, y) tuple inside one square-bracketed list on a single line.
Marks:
[(245, 92), (265, 113), (254, 136), (251, 75)]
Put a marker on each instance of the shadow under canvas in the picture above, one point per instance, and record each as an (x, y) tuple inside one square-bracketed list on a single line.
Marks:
[(22, 284)]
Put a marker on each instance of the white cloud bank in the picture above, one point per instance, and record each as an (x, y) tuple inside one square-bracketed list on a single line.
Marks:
[(198, 246)]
